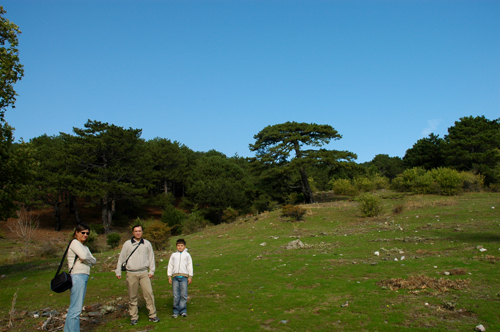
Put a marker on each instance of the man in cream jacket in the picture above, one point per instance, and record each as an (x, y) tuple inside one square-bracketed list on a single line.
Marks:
[(138, 256)]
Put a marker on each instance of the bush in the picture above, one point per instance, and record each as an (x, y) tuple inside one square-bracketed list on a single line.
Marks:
[(405, 181), (229, 215), (424, 184), (157, 233), (370, 205), (363, 184), (449, 180), (113, 240), (173, 218), (194, 223), (50, 249), (2, 234), (293, 212), (98, 228), (343, 187), (380, 182), (471, 181)]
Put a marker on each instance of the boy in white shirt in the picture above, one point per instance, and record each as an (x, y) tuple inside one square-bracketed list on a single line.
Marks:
[(180, 274)]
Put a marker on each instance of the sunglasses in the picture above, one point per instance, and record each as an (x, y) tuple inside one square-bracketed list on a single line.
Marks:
[(85, 233)]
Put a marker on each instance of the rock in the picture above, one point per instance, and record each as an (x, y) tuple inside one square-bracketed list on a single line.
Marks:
[(482, 250), (480, 328), (402, 258), (263, 244), (479, 247), (447, 273), (376, 253), (284, 321), (297, 244), (346, 304), (95, 314), (374, 263)]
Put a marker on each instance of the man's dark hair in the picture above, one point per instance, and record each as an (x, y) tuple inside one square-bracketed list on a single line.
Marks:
[(180, 241), (133, 227)]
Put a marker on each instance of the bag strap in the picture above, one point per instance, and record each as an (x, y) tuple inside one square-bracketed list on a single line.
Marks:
[(132, 253), (62, 260)]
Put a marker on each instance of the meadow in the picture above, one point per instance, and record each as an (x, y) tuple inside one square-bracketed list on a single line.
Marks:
[(437, 269)]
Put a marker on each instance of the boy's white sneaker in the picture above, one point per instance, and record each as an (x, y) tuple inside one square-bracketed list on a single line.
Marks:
[(175, 316), (184, 314)]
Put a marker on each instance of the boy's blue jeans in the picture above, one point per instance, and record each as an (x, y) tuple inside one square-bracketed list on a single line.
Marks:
[(180, 290), (76, 302)]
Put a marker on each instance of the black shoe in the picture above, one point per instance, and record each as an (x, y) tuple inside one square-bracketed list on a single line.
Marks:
[(154, 320), (133, 322)]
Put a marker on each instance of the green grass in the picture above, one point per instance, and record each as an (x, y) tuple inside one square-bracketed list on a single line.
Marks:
[(241, 285)]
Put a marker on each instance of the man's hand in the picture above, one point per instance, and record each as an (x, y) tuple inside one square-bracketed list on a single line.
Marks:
[(151, 276), (119, 277), (189, 280), (170, 280)]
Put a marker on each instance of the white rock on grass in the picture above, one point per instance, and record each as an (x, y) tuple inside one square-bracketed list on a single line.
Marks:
[(482, 250), (480, 328), (263, 244), (376, 253)]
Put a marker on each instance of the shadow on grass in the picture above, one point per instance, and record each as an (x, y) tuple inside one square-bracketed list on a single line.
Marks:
[(486, 237), (38, 265)]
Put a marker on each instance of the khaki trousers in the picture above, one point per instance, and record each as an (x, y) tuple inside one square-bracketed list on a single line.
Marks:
[(134, 280)]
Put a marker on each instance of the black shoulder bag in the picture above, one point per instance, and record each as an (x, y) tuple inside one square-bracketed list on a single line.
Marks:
[(124, 265), (62, 282)]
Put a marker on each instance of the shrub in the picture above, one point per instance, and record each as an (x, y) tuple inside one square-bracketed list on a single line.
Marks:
[(293, 212), (98, 228), (113, 240), (157, 233), (424, 184), (229, 215), (194, 223), (50, 249), (370, 205), (2, 234), (363, 184), (449, 180), (173, 218), (471, 181), (343, 187), (380, 182), (405, 180), (398, 209)]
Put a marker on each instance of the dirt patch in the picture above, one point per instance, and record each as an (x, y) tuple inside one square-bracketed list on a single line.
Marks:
[(424, 282)]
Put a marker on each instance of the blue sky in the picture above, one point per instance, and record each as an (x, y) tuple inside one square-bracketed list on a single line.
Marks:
[(212, 74)]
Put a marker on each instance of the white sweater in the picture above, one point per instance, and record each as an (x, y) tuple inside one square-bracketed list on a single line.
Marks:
[(180, 264), (84, 261)]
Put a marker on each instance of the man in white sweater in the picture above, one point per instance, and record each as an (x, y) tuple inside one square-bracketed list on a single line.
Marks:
[(180, 274), (136, 258)]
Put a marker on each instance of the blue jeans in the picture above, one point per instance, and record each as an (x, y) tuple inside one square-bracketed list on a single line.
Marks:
[(76, 303), (180, 290)]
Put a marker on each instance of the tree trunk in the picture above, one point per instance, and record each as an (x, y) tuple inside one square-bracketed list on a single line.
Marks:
[(104, 214), (165, 187), (57, 215), (306, 188)]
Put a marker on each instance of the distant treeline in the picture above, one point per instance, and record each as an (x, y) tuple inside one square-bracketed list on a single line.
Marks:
[(111, 166)]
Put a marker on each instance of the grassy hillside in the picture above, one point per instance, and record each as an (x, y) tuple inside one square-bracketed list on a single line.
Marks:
[(445, 281)]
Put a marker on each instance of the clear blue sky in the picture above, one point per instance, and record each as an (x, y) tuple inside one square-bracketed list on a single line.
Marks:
[(211, 74)]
